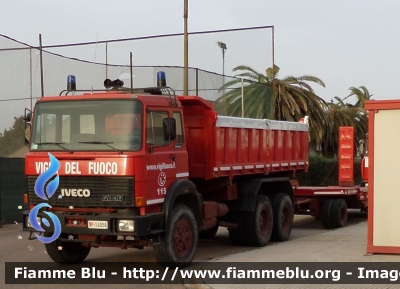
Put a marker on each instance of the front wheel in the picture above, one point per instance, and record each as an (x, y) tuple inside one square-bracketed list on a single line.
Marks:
[(66, 252), (178, 244)]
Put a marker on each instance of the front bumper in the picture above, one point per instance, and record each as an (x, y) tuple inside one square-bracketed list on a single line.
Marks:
[(144, 226)]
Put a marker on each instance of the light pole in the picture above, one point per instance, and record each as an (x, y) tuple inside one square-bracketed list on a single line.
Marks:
[(185, 49), (242, 97), (223, 47)]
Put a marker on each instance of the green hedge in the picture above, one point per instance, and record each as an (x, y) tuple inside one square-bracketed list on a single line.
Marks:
[(324, 172)]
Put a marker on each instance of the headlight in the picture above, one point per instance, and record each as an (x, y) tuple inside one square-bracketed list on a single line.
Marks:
[(28, 224), (126, 225)]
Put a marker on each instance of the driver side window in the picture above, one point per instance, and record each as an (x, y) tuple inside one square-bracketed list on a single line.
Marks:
[(154, 128)]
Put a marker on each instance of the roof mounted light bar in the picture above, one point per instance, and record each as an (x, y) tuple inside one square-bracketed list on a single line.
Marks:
[(117, 85)]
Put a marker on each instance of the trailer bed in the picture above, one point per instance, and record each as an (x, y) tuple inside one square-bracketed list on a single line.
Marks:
[(319, 202), (330, 191)]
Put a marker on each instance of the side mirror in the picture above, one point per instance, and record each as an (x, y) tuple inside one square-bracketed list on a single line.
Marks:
[(169, 128), (28, 116), (27, 119)]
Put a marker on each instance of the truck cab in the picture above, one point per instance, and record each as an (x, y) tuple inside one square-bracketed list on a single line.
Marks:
[(118, 153)]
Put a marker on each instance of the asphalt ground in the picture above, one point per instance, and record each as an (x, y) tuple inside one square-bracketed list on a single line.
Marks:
[(309, 242)]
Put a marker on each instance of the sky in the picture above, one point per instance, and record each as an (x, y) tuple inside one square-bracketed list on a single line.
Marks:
[(344, 43)]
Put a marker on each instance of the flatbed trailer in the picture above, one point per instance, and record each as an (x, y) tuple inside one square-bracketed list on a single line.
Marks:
[(330, 204)]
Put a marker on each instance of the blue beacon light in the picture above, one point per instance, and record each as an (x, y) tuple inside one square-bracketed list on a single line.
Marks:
[(71, 83), (161, 80)]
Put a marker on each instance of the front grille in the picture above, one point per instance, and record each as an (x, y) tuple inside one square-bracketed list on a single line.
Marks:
[(104, 191)]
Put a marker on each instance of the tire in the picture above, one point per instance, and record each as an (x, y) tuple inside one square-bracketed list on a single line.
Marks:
[(258, 224), (209, 233), (236, 235), (326, 214), (283, 213), (71, 252), (339, 213), (178, 243)]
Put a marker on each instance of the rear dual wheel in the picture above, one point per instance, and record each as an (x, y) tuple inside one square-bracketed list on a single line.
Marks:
[(339, 213), (209, 233), (268, 221), (258, 224), (236, 235), (283, 217), (254, 228), (334, 213)]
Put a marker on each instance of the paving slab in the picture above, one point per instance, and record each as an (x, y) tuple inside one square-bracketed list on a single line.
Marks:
[(346, 244)]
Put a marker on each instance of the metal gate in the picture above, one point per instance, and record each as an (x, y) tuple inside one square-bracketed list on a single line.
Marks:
[(12, 189)]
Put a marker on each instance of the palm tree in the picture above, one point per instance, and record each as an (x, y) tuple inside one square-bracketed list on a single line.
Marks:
[(343, 114), (266, 96), (362, 95), (257, 95)]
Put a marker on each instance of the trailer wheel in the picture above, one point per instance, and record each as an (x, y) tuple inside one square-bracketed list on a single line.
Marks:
[(178, 244), (283, 213), (258, 224), (71, 252), (326, 214), (236, 235), (339, 213), (209, 233)]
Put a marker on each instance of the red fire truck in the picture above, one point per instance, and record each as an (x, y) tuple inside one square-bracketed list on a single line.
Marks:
[(143, 167)]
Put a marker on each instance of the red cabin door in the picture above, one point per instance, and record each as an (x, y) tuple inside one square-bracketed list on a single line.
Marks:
[(160, 157)]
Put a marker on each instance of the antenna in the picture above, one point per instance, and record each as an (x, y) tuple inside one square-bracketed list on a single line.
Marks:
[(41, 64), (131, 71), (94, 62)]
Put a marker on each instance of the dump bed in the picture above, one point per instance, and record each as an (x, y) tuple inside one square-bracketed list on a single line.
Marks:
[(230, 146)]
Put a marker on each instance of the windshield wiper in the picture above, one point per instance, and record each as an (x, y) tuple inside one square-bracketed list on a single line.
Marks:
[(103, 143), (59, 144)]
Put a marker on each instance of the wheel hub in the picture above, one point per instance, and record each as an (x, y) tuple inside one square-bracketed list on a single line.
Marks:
[(264, 221), (183, 237), (285, 219)]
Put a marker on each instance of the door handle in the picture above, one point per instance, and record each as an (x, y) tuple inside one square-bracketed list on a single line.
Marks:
[(172, 157)]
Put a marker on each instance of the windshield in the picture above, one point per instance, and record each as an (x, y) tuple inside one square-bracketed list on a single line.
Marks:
[(102, 125)]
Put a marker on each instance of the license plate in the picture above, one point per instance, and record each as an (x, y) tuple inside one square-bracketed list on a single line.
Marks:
[(98, 225)]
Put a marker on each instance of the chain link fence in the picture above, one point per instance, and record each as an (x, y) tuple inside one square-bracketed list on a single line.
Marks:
[(21, 83)]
